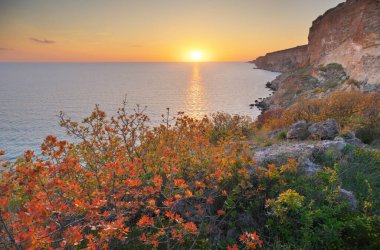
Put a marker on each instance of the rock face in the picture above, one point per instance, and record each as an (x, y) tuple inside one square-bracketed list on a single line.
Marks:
[(348, 34)]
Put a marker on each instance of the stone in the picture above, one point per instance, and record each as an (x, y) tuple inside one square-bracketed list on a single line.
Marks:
[(298, 131), (326, 130), (350, 198), (310, 168), (350, 138), (280, 153)]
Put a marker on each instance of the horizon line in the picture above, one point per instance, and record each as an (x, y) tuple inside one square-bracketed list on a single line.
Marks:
[(118, 61)]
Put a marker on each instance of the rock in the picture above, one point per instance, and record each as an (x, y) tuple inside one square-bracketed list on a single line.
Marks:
[(262, 104), (326, 130), (298, 131), (330, 75), (310, 168), (350, 138), (280, 153), (350, 197), (303, 152)]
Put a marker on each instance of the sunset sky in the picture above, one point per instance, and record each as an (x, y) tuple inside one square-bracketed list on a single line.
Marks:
[(159, 30)]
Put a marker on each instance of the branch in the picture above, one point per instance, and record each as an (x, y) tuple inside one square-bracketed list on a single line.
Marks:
[(10, 236)]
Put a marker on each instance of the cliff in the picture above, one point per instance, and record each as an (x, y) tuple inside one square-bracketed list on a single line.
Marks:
[(283, 60), (348, 34)]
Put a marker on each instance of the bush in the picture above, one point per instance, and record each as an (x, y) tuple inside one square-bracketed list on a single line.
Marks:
[(368, 134), (224, 124), (123, 185), (350, 109), (126, 185)]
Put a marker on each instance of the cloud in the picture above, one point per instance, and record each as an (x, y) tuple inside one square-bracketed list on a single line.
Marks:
[(2, 49), (44, 41)]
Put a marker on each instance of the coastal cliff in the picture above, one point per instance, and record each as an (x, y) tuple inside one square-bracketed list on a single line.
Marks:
[(348, 34), (283, 60), (342, 54)]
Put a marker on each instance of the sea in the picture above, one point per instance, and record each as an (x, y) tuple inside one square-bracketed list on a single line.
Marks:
[(33, 94)]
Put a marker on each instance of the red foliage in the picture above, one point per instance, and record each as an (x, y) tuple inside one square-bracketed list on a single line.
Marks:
[(122, 178)]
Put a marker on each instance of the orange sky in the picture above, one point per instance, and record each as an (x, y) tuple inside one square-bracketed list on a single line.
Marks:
[(160, 30)]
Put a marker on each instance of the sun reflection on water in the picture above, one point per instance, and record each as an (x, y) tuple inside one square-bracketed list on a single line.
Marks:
[(196, 102)]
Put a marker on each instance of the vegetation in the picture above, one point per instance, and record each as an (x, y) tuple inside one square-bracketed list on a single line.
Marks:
[(352, 110), (185, 184)]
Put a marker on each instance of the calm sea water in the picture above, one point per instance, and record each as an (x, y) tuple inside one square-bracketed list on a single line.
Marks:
[(33, 94)]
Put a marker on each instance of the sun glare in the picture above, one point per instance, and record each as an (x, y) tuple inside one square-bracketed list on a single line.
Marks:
[(196, 55)]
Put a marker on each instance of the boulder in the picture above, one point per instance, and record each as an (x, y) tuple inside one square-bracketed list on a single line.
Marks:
[(280, 153), (298, 131), (350, 138), (326, 130), (338, 144)]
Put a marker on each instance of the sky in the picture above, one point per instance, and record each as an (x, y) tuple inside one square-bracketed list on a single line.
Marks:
[(152, 30)]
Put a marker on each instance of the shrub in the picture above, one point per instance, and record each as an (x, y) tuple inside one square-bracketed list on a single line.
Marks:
[(368, 134), (124, 184), (360, 172), (224, 124), (281, 135), (350, 109), (331, 67)]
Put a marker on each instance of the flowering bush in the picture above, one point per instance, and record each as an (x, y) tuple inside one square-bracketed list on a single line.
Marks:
[(184, 184)]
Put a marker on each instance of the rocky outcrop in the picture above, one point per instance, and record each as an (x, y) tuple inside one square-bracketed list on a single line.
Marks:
[(348, 34), (326, 130)]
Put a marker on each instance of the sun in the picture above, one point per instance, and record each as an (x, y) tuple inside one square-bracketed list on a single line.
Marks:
[(196, 55)]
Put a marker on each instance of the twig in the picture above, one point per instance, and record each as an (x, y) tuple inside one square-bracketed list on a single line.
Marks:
[(10, 236)]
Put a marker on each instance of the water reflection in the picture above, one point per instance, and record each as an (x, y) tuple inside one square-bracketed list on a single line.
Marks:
[(196, 102)]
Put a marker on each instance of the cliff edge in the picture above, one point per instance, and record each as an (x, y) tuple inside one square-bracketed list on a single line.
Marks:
[(348, 34)]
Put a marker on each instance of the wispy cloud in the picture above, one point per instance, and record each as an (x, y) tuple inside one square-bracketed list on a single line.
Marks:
[(44, 41), (2, 49)]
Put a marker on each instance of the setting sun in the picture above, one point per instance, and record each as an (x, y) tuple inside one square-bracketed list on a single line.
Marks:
[(196, 55)]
